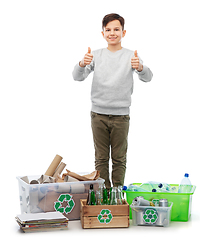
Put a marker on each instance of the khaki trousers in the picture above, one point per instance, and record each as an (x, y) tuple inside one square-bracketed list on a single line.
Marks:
[(110, 131)]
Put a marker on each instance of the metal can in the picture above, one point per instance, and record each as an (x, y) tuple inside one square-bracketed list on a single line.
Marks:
[(136, 200), (140, 201), (163, 203)]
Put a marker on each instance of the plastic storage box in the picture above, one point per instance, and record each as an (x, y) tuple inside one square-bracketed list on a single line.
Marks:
[(151, 216), (49, 197), (182, 202)]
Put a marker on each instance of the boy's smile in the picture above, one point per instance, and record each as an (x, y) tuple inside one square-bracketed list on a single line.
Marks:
[(113, 34)]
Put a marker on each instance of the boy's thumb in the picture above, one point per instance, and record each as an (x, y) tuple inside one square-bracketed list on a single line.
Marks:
[(89, 50), (135, 53)]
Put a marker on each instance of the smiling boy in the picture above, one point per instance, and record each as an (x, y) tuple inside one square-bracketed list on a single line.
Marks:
[(111, 92)]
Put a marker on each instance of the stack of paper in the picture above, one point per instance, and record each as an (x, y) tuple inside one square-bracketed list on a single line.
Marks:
[(34, 222)]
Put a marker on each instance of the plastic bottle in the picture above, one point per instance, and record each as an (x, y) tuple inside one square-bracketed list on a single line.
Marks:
[(185, 185), (134, 188), (148, 187), (160, 187)]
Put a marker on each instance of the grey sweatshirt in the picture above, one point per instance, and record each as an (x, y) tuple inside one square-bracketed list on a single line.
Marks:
[(112, 84)]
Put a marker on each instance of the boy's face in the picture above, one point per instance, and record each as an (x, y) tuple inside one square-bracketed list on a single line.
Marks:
[(113, 32)]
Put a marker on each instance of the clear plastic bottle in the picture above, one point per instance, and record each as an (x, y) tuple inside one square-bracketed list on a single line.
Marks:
[(134, 188), (185, 185), (161, 187)]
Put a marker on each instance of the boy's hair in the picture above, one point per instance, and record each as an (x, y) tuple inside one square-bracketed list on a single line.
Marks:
[(111, 17)]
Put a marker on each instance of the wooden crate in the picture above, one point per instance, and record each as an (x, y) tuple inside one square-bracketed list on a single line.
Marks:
[(104, 216)]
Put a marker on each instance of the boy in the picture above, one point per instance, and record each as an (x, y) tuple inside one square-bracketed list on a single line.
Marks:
[(112, 87)]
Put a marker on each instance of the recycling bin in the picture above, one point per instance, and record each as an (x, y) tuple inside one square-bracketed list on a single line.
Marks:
[(49, 197), (104, 216), (151, 216), (182, 202)]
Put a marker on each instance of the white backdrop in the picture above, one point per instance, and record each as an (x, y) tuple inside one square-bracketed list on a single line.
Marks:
[(44, 112)]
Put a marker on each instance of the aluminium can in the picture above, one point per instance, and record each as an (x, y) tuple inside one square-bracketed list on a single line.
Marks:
[(163, 202)]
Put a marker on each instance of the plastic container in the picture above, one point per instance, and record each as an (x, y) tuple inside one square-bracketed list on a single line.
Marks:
[(185, 185), (182, 202), (63, 197), (151, 216)]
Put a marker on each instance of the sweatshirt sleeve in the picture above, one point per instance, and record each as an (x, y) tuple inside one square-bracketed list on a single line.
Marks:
[(145, 75), (81, 73)]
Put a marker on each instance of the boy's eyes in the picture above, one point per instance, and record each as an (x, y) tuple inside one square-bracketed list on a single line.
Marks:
[(108, 30)]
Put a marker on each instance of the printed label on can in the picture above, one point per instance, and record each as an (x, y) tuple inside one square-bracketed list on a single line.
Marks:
[(156, 202)]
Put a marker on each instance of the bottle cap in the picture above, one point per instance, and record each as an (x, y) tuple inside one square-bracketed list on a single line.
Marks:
[(160, 185), (124, 188), (91, 186), (186, 175), (154, 190)]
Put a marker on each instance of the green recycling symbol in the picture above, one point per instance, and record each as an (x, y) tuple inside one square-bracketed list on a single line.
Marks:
[(105, 216), (150, 215), (70, 203)]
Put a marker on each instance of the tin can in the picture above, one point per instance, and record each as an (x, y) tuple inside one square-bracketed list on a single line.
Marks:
[(136, 200), (140, 201), (163, 203)]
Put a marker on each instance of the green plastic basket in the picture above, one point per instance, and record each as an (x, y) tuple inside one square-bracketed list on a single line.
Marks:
[(182, 202)]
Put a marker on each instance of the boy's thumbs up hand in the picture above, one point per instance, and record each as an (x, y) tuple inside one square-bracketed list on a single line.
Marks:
[(135, 62), (87, 58)]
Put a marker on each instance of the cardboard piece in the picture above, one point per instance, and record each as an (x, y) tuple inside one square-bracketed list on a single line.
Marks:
[(67, 178), (46, 179), (47, 204), (35, 222), (53, 166), (59, 179), (25, 179), (59, 170), (89, 177)]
